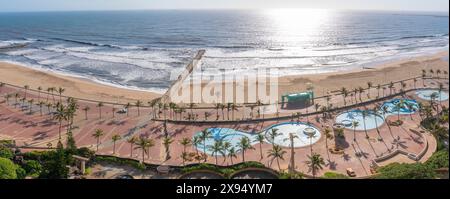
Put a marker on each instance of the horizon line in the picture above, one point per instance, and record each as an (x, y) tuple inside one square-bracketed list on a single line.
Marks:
[(225, 9)]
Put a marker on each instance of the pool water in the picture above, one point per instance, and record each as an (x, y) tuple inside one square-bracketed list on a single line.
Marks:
[(426, 95), (370, 121), (231, 136), (296, 128), (392, 109)]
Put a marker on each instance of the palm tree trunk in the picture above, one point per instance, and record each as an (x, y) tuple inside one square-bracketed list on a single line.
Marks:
[(114, 148), (260, 150), (278, 162), (98, 140), (131, 150)]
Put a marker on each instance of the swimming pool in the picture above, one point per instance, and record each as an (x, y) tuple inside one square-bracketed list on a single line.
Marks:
[(409, 106), (296, 128), (371, 120), (231, 136), (426, 94)]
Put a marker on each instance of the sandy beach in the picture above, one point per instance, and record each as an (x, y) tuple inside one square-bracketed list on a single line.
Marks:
[(74, 87), (378, 74), (82, 88)]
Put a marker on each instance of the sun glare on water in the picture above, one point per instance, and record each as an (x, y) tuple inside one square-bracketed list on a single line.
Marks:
[(297, 24)]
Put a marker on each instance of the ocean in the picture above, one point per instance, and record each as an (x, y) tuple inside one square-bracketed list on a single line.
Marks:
[(146, 49)]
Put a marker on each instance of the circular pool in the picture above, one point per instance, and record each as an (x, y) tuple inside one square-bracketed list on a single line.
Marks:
[(426, 95), (231, 136), (299, 129), (370, 120), (408, 107)]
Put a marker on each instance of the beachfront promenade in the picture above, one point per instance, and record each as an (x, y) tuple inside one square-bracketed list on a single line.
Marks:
[(28, 127)]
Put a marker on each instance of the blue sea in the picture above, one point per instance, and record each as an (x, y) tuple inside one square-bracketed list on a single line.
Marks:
[(145, 49)]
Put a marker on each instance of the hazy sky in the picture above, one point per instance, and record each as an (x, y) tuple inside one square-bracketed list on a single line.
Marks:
[(53, 5)]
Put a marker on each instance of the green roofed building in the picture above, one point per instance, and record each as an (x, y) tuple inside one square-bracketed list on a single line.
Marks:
[(298, 99)]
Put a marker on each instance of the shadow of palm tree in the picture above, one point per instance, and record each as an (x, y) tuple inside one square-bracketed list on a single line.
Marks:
[(331, 164)]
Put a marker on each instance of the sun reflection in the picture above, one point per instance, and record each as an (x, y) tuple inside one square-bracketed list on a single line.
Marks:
[(297, 24)]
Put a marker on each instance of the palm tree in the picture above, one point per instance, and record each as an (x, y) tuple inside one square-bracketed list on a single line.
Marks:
[(132, 140), (399, 106), (244, 144), (23, 102), (344, 93), (378, 90), (364, 115), (196, 140), (217, 107), (276, 153), (259, 104), (328, 98), (232, 154), (152, 105), (369, 86), (30, 102), (191, 106), (144, 144), (441, 88), (40, 104), (185, 157), (97, 134), (60, 115), (166, 142), (391, 86), (16, 96), (204, 135), (273, 133), (415, 82), (228, 110), (39, 92), (1, 86), (86, 109), (222, 107), (327, 132), (375, 114), (113, 110), (49, 89), (291, 138), (185, 142), (403, 85), (164, 108), (49, 105), (207, 114), (115, 138), (100, 105), (355, 124), (315, 162), (423, 79), (360, 91), (60, 91), (260, 138), (217, 148), (138, 105), (26, 87), (7, 96), (225, 147), (172, 107), (233, 108)]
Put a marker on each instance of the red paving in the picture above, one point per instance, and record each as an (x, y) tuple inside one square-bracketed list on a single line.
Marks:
[(35, 130)]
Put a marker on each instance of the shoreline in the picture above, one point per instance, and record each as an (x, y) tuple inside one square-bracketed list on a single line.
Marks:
[(324, 82), (74, 86)]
